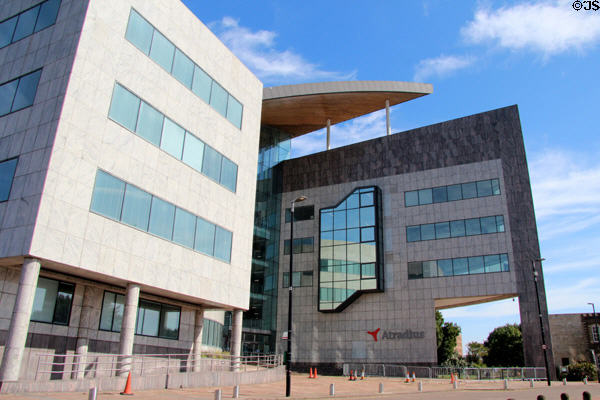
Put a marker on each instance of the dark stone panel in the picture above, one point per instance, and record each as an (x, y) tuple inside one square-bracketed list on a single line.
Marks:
[(490, 135)]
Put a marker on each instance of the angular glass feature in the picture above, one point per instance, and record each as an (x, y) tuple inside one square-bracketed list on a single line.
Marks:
[(7, 174), (442, 194), (52, 301), (19, 93), (135, 114), (28, 22), (160, 49), (458, 266), (350, 256), (126, 203)]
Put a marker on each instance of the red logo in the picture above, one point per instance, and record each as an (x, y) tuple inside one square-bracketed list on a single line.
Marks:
[(374, 333)]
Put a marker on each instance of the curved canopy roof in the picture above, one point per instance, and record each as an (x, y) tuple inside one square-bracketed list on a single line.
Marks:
[(304, 108)]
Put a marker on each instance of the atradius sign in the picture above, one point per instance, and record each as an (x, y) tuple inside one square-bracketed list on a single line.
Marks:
[(396, 335)]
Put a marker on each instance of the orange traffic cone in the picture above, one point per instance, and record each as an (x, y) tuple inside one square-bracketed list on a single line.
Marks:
[(413, 377), (451, 377), (310, 374), (315, 374), (407, 379), (350, 375), (127, 390)]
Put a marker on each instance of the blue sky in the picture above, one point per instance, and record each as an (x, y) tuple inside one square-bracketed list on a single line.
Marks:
[(479, 55)]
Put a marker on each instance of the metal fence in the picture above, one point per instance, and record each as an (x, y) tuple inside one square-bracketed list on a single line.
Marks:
[(72, 366), (392, 370)]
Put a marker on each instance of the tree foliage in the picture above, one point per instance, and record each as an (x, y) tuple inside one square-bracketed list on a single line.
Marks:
[(446, 333), (475, 353), (577, 371), (505, 347)]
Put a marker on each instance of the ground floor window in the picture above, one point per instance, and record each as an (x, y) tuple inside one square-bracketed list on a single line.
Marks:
[(111, 317), (212, 333), (52, 302)]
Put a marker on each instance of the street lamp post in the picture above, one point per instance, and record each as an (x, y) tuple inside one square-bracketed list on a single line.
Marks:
[(595, 323), (288, 372), (537, 296)]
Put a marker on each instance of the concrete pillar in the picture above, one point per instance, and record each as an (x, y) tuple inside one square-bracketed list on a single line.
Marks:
[(132, 298), (328, 134), (236, 339), (88, 321), (19, 322), (387, 118), (197, 353)]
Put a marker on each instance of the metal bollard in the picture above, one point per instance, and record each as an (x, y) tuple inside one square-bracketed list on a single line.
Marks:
[(564, 381), (540, 397), (587, 396), (332, 389), (564, 396), (236, 391), (506, 384), (381, 387), (92, 393), (420, 386), (218, 394), (531, 383), (455, 384)]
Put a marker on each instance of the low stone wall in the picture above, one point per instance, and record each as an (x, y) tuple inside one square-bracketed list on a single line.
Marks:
[(163, 381)]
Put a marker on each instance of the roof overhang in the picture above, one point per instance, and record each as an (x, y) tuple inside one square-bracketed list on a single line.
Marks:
[(304, 108)]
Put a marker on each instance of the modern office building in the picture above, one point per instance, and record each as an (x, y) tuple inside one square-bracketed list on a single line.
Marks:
[(144, 186), (128, 137)]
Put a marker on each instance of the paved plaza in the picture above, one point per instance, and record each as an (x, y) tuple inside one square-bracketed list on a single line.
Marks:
[(393, 388)]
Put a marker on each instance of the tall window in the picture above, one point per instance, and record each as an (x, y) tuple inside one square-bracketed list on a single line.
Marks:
[(212, 333), (52, 301), (350, 259), (595, 333), (19, 93), (111, 317), (28, 22), (7, 174)]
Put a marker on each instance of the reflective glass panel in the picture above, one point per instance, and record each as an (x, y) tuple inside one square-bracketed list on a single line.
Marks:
[(473, 226), (44, 301), (205, 236), (353, 235), (442, 230), (476, 265), (162, 51), (107, 198), (368, 253), (469, 190), (326, 221), (353, 218), (108, 307), (411, 198), (439, 194), (444, 267), (500, 223), (307, 245), (7, 95), (223, 244), (367, 234), (201, 84), (429, 269), (183, 68), (454, 192), (211, 166), (124, 107), (7, 174), (366, 199), (367, 216), (354, 253), (136, 207), (149, 123), (339, 236), (118, 315), (339, 219), (64, 298), (457, 228), (415, 270), (495, 186), (234, 112), (169, 327), (162, 217), (7, 28), (48, 14), (26, 23), (425, 196), (484, 188), (193, 152), (218, 99), (26, 90), (172, 138), (352, 201), (460, 266), (148, 318), (228, 174), (139, 32), (428, 232), (504, 262), (413, 233), (488, 225), (492, 263), (297, 246)]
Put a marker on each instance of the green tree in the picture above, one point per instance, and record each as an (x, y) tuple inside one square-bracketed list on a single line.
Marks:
[(446, 333), (476, 352), (505, 347)]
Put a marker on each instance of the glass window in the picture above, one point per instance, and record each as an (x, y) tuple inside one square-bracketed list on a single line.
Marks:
[(172, 138), (488, 225), (368, 253), (367, 234), (307, 245), (162, 51), (52, 301), (472, 226), (469, 190), (492, 263), (48, 14), (26, 23), (413, 233), (428, 232), (139, 32), (430, 269), (211, 166), (495, 186), (169, 322), (307, 278), (25, 94), (353, 235), (234, 112), (7, 95), (286, 247), (136, 207), (484, 188), (339, 219), (500, 223), (124, 107), (352, 201), (107, 198), (454, 192), (366, 199), (205, 237), (504, 262), (457, 228), (445, 267), (460, 266), (440, 195), (223, 244), (183, 68), (425, 196), (353, 218), (367, 216), (162, 217), (415, 270), (184, 228), (476, 265), (228, 174), (326, 221), (7, 28), (297, 246), (300, 214), (202, 84), (148, 318), (149, 123), (111, 316), (411, 198), (218, 99), (7, 174), (442, 230), (193, 151)]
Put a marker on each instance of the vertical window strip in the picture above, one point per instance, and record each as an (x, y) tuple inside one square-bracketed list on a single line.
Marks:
[(447, 229), (19, 93), (28, 22), (130, 111), (461, 191), (161, 50), (110, 198)]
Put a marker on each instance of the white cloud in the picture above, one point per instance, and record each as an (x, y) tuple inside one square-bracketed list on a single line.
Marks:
[(547, 27), (441, 66), (257, 49)]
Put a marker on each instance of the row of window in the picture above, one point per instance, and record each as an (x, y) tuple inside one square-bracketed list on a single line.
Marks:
[(458, 266), (301, 245), (458, 228), (126, 203), (128, 110), (7, 174), (302, 213), (442, 194), (19, 93), (160, 49), (28, 22), (300, 279)]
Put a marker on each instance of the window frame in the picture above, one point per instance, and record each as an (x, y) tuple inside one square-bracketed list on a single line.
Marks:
[(18, 80), (35, 28), (160, 318), (12, 180), (73, 285)]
